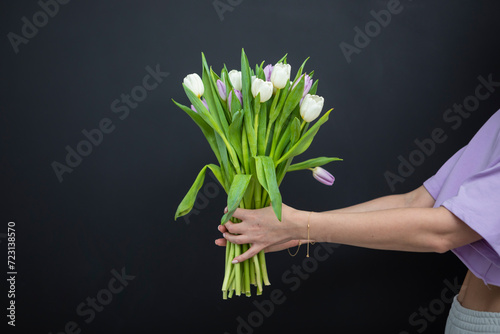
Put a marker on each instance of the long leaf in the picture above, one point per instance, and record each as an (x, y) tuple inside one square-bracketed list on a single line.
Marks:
[(266, 174), (188, 201), (236, 193), (306, 140), (207, 130), (311, 163), (261, 131), (235, 130)]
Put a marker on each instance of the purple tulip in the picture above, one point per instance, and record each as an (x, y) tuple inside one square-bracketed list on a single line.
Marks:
[(307, 85), (268, 70), (204, 102), (222, 90), (323, 176), (238, 95)]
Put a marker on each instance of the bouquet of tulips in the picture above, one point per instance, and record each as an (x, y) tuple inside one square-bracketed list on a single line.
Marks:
[(256, 122)]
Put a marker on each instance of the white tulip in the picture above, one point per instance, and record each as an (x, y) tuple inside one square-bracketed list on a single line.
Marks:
[(195, 84), (311, 107), (280, 75), (235, 77), (265, 88)]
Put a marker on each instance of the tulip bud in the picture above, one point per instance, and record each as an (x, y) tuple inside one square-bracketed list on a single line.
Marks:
[(280, 75), (268, 70), (311, 107), (230, 98), (323, 176), (307, 85), (235, 77), (221, 87), (265, 88), (195, 84), (204, 103)]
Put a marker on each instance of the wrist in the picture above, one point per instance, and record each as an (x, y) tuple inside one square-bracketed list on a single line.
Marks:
[(298, 222)]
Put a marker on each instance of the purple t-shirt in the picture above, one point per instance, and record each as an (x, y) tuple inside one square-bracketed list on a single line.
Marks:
[(468, 185)]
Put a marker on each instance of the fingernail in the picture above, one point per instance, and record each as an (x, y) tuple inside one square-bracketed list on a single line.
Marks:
[(225, 209), (234, 261), (224, 235), (219, 227)]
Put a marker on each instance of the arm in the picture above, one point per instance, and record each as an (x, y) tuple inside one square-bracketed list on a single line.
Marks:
[(402, 222), (418, 198)]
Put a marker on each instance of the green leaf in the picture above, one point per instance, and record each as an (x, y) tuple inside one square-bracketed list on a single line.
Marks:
[(252, 138), (259, 71), (295, 130), (299, 72), (201, 109), (277, 110), (235, 130), (188, 201), (218, 175), (236, 193), (227, 170), (306, 140), (235, 102), (211, 95), (311, 163), (282, 59), (314, 88), (293, 100), (284, 141), (261, 131), (266, 174), (246, 82), (207, 130)]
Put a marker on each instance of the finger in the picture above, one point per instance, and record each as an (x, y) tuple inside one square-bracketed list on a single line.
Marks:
[(252, 251), (236, 239), (221, 242), (234, 228), (241, 213), (222, 228)]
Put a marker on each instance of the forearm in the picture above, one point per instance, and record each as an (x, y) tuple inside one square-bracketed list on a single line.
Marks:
[(406, 229), (381, 203), (418, 198)]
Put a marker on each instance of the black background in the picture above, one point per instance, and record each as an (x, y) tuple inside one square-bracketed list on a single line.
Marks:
[(116, 209)]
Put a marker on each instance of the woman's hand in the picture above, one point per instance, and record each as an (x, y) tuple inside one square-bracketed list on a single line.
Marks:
[(262, 230)]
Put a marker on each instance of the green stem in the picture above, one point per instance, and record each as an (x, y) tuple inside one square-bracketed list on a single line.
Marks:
[(302, 125), (225, 283), (237, 269), (257, 272), (246, 270), (263, 267)]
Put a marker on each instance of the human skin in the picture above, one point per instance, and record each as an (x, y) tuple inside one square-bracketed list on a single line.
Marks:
[(405, 222)]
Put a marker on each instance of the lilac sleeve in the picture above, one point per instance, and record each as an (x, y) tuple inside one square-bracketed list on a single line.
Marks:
[(435, 182), (478, 204)]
